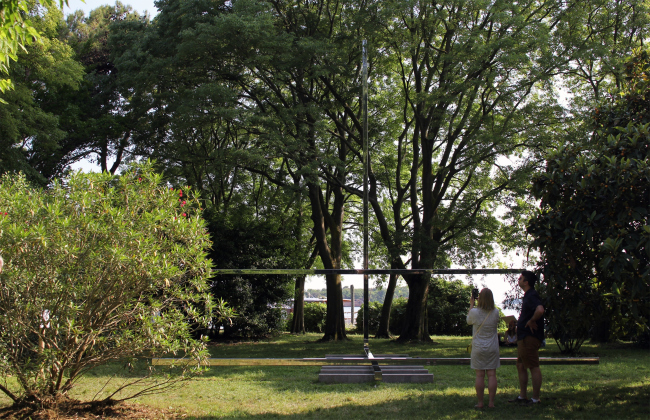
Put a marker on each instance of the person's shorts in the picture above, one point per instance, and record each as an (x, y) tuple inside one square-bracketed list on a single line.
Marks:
[(528, 352)]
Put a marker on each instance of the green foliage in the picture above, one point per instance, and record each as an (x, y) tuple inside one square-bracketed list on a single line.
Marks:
[(374, 314), (98, 268), (99, 122), (315, 314), (17, 31), (447, 307), (252, 244), (592, 229), (31, 130)]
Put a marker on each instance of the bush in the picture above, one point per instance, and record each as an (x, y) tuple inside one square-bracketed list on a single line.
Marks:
[(315, 313), (397, 313), (98, 269), (374, 314), (447, 307), (250, 244)]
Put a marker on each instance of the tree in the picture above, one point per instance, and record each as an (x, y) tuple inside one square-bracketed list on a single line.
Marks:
[(314, 316), (17, 31), (476, 89), (31, 133), (447, 307), (97, 269), (253, 109), (466, 74), (592, 229), (100, 123), (463, 110)]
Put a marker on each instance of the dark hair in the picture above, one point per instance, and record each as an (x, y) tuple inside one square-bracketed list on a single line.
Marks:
[(530, 277)]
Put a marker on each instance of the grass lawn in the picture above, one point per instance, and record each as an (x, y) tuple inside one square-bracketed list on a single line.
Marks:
[(618, 388)]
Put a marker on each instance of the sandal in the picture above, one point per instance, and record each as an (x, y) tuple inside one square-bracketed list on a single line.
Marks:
[(519, 400)]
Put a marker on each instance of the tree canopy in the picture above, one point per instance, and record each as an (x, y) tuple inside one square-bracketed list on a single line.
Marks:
[(16, 32), (593, 227), (257, 105)]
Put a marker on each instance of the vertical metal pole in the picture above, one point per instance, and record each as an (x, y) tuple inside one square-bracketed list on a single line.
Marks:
[(364, 100), (352, 304)]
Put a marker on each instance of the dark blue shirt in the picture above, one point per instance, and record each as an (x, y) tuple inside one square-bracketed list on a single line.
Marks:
[(530, 302)]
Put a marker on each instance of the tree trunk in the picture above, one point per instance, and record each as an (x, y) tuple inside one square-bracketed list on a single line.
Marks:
[(384, 322), (298, 320), (330, 254), (335, 320), (415, 322)]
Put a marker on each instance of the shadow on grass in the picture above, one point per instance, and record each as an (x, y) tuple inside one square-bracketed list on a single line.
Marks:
[(611, 403), (607, 403)]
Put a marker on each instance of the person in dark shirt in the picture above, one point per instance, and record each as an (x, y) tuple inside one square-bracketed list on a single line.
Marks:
[(530, 333)]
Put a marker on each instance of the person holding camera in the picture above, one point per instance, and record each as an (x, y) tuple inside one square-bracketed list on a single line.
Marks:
[(485, 358)]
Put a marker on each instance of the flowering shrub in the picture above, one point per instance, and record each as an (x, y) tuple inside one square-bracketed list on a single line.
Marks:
[(98, 268)]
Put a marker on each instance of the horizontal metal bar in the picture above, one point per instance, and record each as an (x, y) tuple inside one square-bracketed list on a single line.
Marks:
[(315, 272), (322, 361)]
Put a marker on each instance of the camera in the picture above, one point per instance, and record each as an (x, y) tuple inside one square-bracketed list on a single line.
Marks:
[(475, 293)]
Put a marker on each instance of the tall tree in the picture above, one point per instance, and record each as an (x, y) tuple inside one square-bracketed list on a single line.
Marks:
[(465, 108), (203, 128), (592, 228), (476, 83), (275, 77), (102, 123)]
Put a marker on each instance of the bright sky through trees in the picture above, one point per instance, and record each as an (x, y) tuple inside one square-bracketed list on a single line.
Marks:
[(140, 5)]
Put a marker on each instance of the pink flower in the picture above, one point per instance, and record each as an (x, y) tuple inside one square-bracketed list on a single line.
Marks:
[(180, 193), (183, 203), (184, 214)]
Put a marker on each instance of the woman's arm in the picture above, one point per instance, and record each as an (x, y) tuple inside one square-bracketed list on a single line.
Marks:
[(470, 320)]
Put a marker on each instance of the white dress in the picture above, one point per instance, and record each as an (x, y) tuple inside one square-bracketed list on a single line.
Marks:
[(485, 345)]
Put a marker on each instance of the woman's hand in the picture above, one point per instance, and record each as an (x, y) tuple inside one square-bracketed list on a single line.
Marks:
[(471, 301)]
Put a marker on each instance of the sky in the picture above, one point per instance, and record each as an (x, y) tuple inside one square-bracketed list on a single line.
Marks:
[(140, 5)]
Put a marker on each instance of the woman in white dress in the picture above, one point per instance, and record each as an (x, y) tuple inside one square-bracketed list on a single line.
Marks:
[(485, 344)]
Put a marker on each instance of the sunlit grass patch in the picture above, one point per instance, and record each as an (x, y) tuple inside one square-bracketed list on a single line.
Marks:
[(619, 387)]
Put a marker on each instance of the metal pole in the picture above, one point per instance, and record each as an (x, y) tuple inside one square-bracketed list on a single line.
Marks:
[(352, 304), (373, 271), (364, 101)]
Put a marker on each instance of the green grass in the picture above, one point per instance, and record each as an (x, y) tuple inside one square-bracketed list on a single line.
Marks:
[(618, 388)]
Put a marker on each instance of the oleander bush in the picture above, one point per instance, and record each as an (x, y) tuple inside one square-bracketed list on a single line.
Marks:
[(99, 268)]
